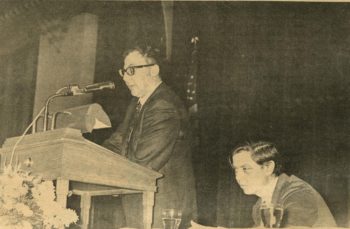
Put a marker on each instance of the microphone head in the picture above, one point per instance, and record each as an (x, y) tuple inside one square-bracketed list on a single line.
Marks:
[(111, 85), (99, 86)]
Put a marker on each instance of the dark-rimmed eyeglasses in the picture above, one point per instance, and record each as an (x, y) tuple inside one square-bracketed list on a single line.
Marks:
[(130, 71)]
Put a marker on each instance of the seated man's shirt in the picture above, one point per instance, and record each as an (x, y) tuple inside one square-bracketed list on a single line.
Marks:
[(302, 204)]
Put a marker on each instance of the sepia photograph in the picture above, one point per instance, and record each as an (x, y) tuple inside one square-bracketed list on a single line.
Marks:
[(174, 114)]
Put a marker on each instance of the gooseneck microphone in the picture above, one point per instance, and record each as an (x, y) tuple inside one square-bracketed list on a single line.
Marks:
[(73, 90), (70, 90), (76, 90)]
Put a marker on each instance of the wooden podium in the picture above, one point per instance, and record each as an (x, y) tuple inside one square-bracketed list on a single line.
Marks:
[(83, 168)]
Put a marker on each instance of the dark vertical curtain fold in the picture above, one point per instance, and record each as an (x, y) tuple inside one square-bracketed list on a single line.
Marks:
[(17, 88), (21, 24)]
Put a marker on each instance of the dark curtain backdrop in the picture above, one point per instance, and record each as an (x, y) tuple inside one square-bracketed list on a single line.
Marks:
[(21, 24), (269, 71), (17, 88), (19, 40)]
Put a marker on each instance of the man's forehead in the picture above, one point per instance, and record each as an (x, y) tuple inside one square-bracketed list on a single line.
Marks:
[(134, 58), (242, 158)]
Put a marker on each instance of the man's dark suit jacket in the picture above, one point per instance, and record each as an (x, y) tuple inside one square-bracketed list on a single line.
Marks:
[(158, 138), (302, 204)]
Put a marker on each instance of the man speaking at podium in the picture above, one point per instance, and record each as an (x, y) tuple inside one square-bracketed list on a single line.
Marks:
[(155, 134)]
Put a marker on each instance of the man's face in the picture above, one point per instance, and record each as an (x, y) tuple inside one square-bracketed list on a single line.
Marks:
[(138, 83), (250, 176)]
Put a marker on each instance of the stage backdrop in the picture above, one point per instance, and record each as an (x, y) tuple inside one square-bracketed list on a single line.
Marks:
[(269, 71)]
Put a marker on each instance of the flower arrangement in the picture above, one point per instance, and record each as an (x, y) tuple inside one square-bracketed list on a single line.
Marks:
[(28, 202)]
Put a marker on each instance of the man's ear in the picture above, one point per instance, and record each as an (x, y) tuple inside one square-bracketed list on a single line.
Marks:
[(154, 70), (269, 167)]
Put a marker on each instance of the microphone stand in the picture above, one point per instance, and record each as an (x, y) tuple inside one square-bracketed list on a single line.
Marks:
[(64, 91), (46, 110), (33, 123), (58, 93)]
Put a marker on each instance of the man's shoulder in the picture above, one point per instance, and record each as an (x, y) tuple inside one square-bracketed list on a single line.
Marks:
[(165, 97), (301, 199), (287, 182), (165, 92), (292, 186)]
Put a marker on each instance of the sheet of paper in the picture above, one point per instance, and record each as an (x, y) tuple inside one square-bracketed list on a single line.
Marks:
[(98, 124)]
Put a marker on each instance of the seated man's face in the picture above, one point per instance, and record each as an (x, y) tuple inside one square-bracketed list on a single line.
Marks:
[(250, 176)]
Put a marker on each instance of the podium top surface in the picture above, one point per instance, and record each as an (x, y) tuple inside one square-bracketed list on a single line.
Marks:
[(65, 153)]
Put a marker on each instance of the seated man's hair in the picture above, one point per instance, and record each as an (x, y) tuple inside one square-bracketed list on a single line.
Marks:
[(151, 54), (261, 152)]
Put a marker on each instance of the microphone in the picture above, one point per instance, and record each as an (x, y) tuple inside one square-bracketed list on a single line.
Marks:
[(75, 90), (99, 86)]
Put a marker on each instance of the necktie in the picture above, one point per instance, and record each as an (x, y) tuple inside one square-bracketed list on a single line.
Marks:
[(132, 124), (138, 108)]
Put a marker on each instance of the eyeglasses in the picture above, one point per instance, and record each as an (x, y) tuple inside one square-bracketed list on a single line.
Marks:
[(130, 71)]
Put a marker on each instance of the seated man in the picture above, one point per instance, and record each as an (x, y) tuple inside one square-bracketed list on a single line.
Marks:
[(258, 169)]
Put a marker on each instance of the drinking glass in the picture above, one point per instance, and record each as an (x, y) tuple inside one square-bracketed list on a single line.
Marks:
[(271, 215), (171, 218)]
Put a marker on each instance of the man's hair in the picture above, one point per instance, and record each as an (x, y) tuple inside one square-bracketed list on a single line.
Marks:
[(261, 152), (152, 55)]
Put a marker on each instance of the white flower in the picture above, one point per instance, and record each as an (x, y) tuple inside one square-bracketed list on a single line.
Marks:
[(55, 215), (12, 186), (5, 223), (4, 220), (26, 225), (26, 199), (24, 209), (44, 191), (22, 225)]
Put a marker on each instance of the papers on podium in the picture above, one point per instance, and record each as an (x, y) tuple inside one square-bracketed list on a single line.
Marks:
[(85, 118)]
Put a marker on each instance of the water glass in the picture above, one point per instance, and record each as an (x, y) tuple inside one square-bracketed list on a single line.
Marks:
[(271, 215), (171, 218)]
